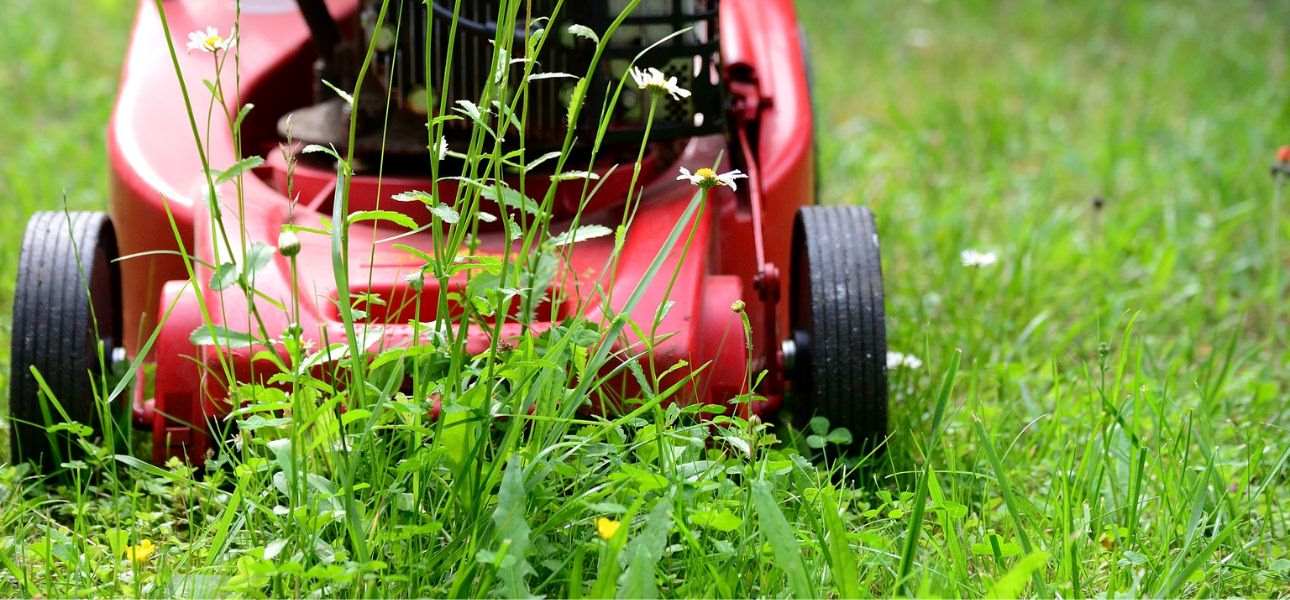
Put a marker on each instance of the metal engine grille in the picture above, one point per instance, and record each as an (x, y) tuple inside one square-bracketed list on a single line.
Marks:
[(419, 32)]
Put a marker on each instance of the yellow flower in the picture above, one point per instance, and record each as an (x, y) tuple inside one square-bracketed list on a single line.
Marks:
[(606, 528), (140, 552)]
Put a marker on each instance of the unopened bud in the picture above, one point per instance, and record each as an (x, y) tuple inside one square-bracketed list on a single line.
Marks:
[(416, 281), (288, 243)]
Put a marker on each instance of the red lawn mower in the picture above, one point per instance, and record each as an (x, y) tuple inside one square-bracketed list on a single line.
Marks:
[(809, 274)]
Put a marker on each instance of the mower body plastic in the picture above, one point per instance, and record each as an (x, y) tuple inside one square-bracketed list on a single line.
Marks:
[(159, 190)]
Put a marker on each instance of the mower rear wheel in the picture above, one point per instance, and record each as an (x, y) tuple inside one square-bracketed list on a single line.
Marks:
[(67, 298), (839, 337)]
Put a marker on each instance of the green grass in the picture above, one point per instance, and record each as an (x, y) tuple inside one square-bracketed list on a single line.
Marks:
[(1102, 411)]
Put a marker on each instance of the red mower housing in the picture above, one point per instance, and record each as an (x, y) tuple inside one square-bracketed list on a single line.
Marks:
[(742, 249)]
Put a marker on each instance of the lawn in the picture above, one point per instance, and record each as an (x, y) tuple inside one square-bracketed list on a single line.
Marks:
[(1117, 422)]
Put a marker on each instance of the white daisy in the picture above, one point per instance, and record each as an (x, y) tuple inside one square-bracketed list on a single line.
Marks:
[(707, 178), (897, 360), (977, 258), (208, 40), (657, 82)]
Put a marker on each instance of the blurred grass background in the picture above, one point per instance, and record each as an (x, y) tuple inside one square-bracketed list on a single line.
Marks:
[(57, 83), (58, 72)]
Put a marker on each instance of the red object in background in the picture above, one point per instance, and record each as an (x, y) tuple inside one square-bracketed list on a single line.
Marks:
[(157, 175), (1283, 154)]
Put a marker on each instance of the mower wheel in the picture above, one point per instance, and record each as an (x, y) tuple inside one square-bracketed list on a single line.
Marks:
[(67, 298), (839, 339)]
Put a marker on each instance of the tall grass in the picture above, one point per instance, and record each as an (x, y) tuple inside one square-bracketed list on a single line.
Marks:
[(1048, 447)]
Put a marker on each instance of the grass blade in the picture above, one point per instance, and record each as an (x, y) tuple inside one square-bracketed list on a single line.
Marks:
[(1014, 507), (645, 552), (920, 500), (779, 534)]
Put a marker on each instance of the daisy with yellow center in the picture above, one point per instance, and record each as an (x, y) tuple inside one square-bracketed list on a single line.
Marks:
[(657, 82), (606, 528), (140, 552), (208, 40), (706, 178)]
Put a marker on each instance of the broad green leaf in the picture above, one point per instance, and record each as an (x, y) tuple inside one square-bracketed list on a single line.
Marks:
[(333, 352), (238, 168), (318, 149), (397, 218), (470, 109), (414, 196), (582, 233), (583, 31), (720, 520), (224, 276), (818, 425), (445, 213), (1014, 581), (575, 176), (779, 534), (259, 256), (645, 551), (513, 529), (839, 437), (845, 571), (355, 414), (214, 335), (511, 198), (541, 159)]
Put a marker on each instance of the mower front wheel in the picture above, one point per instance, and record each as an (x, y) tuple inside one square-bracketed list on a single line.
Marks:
[(838, 332), (66, 300)]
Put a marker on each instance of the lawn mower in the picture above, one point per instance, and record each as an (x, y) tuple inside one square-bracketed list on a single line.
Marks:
[(96, 290)]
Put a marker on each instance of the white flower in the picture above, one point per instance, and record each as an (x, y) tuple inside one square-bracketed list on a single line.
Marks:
[(441, 149), (896, 360), (656, 81), (707, 178), (208, 40), (977, 258)]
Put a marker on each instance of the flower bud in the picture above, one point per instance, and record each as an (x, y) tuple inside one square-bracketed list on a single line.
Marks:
[(288, 243), (416, 281)]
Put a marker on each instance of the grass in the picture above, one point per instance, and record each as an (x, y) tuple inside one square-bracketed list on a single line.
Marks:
[(1101, 412)]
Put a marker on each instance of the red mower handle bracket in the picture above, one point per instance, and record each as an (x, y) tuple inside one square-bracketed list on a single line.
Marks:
[(746, 108)]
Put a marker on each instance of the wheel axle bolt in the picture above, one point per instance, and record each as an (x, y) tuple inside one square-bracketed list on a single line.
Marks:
[(788, 350)]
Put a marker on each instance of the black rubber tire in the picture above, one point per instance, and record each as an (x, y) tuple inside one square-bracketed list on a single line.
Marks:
[(65, 269), (838, 324)]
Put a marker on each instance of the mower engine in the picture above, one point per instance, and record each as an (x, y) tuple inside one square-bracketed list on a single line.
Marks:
[(431, 55)]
